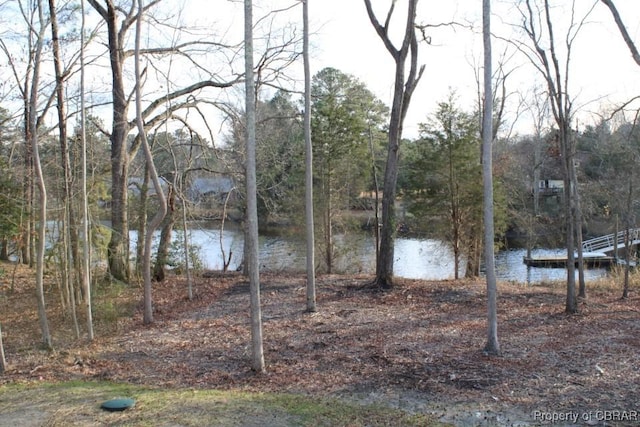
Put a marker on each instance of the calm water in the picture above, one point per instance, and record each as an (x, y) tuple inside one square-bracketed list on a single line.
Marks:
[(414, 258)]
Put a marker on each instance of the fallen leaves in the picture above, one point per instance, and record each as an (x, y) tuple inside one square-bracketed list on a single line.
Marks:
[(424, 338)]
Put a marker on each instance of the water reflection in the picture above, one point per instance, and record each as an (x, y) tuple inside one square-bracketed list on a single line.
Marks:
[(426, 259)]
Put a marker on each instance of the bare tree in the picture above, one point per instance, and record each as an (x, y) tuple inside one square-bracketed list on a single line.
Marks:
[(636, 57), (543, 54), (403, 90), (157, 219), (119, 19), (251, 241), (86, 264), (70, 257), (40, 181), (310, 232), (492, 346)]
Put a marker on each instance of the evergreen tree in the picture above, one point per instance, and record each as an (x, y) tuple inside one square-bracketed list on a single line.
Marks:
[(343, 113), (445, 184)]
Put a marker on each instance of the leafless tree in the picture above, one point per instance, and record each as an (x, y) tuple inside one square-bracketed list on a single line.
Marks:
[(310, 229), (543, 53), (636, 57), (70, 258), (492, 346), (40, 180), (251, 235), (162, 211), (119, 18), (403, 90), (86, 259)]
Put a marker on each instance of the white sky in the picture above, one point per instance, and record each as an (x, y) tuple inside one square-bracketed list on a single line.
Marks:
[(602, 68), (342, 37)]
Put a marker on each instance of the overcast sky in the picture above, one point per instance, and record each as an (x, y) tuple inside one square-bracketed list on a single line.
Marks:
[(602, 71)]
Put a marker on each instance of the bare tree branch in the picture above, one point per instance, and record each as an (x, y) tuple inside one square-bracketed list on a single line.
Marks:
[(185, 91), (623, 30)]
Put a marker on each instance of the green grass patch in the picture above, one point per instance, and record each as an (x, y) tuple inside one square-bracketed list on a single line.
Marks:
[(78, 404)]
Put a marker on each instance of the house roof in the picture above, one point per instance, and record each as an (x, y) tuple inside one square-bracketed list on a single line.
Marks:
[(215, 185)]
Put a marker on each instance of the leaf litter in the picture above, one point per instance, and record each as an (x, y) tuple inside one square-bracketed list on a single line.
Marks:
[(417, 347)]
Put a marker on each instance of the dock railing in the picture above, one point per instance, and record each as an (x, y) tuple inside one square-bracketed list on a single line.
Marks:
[(611, 241)]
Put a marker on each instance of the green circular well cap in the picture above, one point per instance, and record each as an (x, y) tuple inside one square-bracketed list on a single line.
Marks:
[(119, 404)]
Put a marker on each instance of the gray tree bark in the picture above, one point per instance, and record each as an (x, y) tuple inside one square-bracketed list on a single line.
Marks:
[(86, 259), (157, 219), (251, 242), (42, 218), (308, 183), (492, 346), (118, 248)]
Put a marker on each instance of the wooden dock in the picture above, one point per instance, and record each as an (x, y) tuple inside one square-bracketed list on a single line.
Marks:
[(591, 261)]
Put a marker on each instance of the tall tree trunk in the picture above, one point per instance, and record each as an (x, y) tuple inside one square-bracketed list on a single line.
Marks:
[(69, 230), (28, 210), (308, 184), (328, 229), (557, 83), (251, 242), (403, 90), (162, 210), (627, 243), (492, 346), (86, 247), (118, 247), (577, 217), (27, 219), (571, 304), (42, 218)]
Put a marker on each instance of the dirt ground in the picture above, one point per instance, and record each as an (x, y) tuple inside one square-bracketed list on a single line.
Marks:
[(417, 347)]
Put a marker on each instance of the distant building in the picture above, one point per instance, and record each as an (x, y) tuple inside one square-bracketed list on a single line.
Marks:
[(551, 186), (211, 191), (550, 194), (208, 192), (135, 186)]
